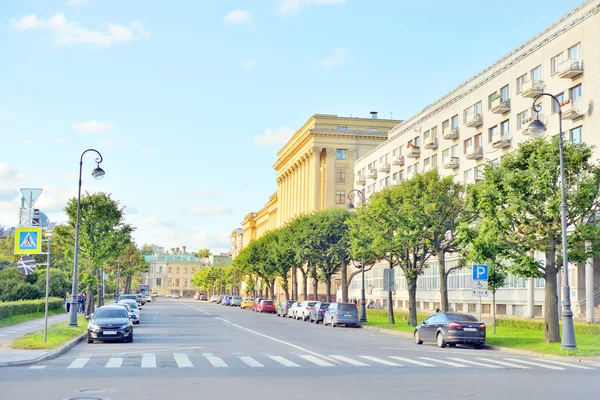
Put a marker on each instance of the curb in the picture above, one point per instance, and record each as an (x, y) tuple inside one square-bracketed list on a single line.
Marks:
[(574, 359), (56, 353)]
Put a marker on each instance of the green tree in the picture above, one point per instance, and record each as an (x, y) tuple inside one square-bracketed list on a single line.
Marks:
[(204, 253), (133, 264), (521, 197)]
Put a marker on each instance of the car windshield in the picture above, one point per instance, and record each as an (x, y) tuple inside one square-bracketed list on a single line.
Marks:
[(311, 303), (461, 317), (237, 298), (110, 313), (268, 302), (347, 307), (324, 305), (131, 304)]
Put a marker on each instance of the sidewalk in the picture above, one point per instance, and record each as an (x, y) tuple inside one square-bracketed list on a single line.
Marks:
[(10, 356)]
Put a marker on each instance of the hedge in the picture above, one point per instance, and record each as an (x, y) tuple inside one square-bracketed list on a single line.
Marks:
[(11, 308), (581, 328)]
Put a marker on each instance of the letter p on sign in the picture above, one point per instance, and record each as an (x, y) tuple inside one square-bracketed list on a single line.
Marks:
[(480, 272)]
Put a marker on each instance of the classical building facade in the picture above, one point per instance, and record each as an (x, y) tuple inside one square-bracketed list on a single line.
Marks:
[(481, 121), (237, 242)]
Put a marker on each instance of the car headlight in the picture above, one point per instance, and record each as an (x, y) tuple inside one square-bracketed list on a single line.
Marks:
[(93, 327), (125, 326)]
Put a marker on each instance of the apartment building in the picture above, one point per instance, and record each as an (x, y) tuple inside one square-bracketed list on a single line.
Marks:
[(480, 121)]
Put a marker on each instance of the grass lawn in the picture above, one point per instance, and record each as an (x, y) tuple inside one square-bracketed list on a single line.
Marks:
[(58, 334), (17, 319), (514, 337)]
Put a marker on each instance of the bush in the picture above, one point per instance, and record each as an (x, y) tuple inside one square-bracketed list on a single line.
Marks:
[(582, 328), (11, 308)]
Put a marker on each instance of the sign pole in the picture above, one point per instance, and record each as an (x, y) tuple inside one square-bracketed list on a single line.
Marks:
[(480, 308), (47, 292)]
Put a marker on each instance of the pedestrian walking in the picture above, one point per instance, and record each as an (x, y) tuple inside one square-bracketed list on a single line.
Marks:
[(80, 302), (68, 302)]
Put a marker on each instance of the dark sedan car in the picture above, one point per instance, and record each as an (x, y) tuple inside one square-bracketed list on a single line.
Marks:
[(110, 323), (283, 307), (450, 328), (316, 314)]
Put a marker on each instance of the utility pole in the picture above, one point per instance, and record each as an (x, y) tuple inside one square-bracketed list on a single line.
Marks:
[(118, 278)]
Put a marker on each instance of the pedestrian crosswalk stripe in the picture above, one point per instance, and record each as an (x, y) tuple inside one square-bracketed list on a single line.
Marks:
[(568, 364), (317, 361), (148, 360), (284, 361), (535, 363), (350, 361), (216, 361), (450, 363), (37, 367), (79, 362), (182, 360), (381, 361), (462, 360), (506, 364), (251, 362), (114, 362), (408, 360)]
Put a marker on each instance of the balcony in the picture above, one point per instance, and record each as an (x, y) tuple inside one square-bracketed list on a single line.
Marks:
[(501, 141), (570, 68), (569, 110), (474, 153), (431, 144), (451, 162), (384, 168), (531, 89), (478, 177), (474, 120), (500, 106), (451, 134), (398, 161), (413, 152), (361, 180), (372, 174)]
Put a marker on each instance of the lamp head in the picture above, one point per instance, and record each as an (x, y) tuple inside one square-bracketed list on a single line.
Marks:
[(98, 172), (536, 128), (349, 207)]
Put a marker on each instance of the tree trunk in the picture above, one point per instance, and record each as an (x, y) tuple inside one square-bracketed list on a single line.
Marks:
[(328, 283), (315, 289), (304, 283), (286, 292), (391, 319), (127, 285), (412, 301), (294, 283), (344, 282), (441, 258), (272, 287), (89, 302), (551, 327), (494, 311)]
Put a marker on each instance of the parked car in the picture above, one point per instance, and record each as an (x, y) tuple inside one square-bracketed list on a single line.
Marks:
[(292, 310), (126, 296), (450, 329), (213, 299), (227, 301), (236, 301), (247, 303), (303, 310), (175, 295), (134, 311), (196, 296), (221, 299), (169, 295), (256, 303), (154, 294), (341, 314), (203, 297), (283, 307), (148, 299), (317, 312), (140, 299), (267, 306), (110, 323)]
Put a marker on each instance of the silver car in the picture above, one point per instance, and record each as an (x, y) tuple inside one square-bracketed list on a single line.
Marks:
[(303, 310), (236, 301), (134, 311), (292, 310)]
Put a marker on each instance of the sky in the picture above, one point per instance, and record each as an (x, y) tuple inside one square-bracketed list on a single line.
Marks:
[(189, 101)]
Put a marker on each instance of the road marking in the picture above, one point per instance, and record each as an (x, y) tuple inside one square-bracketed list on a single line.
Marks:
[(445, 362), (37, 367), (408, 360), (318, 361), (114, 362), (350, 361), (473, 362), (148, 360), (251, 362), (535, 363), (284, 361), (568, 364), (506, 364), (182, 360), (215, 361), (79, 362), (381, 361)]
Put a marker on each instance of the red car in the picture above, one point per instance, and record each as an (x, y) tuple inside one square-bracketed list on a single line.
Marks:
[(256, 303), (267, 306)]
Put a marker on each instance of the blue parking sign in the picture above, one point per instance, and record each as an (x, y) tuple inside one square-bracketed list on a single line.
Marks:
[(480, 272)]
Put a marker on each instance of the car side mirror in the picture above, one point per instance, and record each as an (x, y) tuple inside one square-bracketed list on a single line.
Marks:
[(424, 322), (88, 317)]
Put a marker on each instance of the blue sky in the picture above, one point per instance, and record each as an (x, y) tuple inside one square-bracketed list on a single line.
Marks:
[(189, 101)]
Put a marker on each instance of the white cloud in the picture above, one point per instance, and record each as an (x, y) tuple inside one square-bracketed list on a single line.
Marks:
[(206, 192), (76, 3), (335, 60), (111, 143), (93, 126), (239, 17), (61, 141), (292, 6), (250, 63), (153, 221), (70, 32), (26, 141), (147, 150), (207, 210), (181, 236), (274, 136)]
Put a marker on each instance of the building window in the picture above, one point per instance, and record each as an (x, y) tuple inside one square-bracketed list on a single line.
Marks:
[(445, 126), (536, 74), (467, 144), (176, 282), (340, 197), (170, 270), (434, 161), (468, 175), (522, 117), (575, 52), (434, 132), (555, 63), (454, 151), (158, 282), (409, 171), (340, 175), (520, 81), (340, 154), (454, 122), (479, 172), (387, 181), (185, 270), (477, 140), (395, 176), (185, 283), (177, 270), (504, 127), (170, 282), (445, 154), (417, 141), (426, 163), (575, 93), (381, 184), (491, 98), (492, 132), (426, 136), (416, 168), (555, 107), (575, 135), (466, 114), (504, 93), (400, 176)]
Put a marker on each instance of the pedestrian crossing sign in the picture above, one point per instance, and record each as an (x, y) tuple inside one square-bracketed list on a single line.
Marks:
[(28, 241)]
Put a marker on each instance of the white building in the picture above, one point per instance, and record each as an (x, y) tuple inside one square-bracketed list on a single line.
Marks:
[(482, 120)]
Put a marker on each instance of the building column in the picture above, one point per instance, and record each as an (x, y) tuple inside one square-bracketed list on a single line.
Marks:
[(286, 197), (530, 298), (589, 288), (295, 191), (315, 161), (302, 186), (306, 206), (330, 178)]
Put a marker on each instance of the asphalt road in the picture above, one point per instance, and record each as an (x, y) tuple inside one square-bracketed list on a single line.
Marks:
[(188, 350)]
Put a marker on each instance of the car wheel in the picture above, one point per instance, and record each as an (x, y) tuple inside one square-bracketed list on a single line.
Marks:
[(441, 342), (451, 344), (130, 338), (89, 339), (417, 337), (333, 324)]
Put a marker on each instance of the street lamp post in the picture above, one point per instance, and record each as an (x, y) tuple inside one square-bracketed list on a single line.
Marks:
[(97, 173), (363, 300), (538, 129)]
